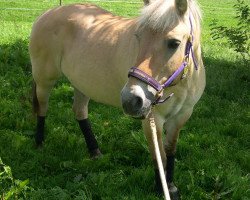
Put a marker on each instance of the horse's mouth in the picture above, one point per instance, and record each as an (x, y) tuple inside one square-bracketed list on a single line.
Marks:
[(141, 115)]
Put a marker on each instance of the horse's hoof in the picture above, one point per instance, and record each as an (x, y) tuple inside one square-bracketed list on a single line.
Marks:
[(39, 140), (38, 143), (95, 154), (38, 146), (173, 191)]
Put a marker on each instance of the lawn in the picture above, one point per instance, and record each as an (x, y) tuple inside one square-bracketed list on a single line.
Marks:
[(213, 156)]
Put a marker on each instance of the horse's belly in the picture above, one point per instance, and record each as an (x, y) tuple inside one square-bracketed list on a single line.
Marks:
[(102, 83), (102, 91)]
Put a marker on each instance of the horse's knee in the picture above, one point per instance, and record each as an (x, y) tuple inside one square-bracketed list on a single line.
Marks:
[(81, 112), (80, 105), (170, 147)]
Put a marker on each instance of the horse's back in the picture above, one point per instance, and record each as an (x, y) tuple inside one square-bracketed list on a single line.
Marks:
[(65, 20), (55, 30)]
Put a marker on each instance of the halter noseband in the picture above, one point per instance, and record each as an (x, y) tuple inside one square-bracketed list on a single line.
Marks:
[(139, 74)]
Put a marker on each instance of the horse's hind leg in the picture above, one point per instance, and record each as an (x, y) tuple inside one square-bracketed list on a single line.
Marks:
[(80, 108), (41, 93)]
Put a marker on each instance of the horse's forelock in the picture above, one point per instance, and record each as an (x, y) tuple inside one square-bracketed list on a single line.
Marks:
[(161, 15)]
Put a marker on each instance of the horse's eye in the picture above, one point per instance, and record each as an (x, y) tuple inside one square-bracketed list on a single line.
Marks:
[(173, 43)]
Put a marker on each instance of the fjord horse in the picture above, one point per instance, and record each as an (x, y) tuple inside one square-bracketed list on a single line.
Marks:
[(150, 64)]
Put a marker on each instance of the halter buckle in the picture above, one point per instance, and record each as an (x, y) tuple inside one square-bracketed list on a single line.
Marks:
[(190, 38), (186, 58), (159, 100), (185, 71)]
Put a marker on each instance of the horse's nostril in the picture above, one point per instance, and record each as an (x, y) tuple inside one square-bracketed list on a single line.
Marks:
[(133, 105), (137, 103)]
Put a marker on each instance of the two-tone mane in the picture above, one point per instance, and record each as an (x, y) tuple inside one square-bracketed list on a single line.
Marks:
[(161, 15)]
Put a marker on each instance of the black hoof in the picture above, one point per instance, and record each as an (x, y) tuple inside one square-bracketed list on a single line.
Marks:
[(39, 142), (173, 191), (95, 154)]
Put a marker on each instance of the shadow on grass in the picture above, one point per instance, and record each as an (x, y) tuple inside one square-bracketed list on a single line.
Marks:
[(227, 80), (14, 55)]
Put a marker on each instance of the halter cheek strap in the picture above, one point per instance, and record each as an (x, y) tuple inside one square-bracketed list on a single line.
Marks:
[(139, 74)]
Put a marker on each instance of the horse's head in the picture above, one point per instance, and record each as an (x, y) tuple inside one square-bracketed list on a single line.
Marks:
[(164, 34)]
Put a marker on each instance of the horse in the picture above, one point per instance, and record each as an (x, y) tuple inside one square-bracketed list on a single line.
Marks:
[(148, 64)]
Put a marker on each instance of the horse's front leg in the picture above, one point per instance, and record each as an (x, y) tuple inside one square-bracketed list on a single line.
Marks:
[(147, 131), (80, 108), (172, 127)]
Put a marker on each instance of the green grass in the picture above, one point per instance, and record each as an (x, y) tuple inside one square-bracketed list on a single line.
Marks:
[(213, 157)]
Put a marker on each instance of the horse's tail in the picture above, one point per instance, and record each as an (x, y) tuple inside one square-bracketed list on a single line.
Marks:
[(35, 102)]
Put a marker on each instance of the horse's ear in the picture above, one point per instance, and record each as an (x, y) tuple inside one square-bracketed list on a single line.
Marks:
[(181, 6), (146, 2)]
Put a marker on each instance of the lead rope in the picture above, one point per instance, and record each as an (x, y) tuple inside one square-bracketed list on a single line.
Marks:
[(158, 157)]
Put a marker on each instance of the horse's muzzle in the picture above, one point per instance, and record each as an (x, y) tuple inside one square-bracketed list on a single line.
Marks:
[(134, 102)]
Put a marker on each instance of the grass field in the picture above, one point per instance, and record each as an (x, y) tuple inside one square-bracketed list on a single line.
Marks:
[(213, 157)]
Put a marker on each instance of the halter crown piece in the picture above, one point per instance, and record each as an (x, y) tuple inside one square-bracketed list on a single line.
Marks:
[(139, 74)]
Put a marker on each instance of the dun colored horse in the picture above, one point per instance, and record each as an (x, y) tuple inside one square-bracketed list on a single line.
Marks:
[(95, 50)]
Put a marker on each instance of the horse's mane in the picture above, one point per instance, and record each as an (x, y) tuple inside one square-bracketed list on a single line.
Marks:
[(162, 14)]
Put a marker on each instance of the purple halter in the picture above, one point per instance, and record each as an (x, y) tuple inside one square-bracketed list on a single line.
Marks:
[(139, 74)]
